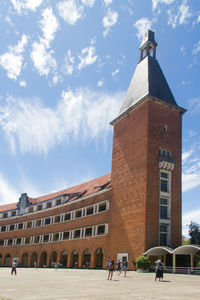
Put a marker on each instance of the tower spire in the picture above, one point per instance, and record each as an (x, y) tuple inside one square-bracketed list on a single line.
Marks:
[(148, 45)]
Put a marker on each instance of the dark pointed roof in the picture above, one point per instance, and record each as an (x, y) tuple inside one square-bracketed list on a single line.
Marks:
[(148, 80)]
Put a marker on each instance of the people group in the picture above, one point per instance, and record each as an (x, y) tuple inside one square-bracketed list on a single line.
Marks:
[(121, 266)]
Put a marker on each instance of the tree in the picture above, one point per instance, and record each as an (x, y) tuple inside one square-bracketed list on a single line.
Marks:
[(194, 233)]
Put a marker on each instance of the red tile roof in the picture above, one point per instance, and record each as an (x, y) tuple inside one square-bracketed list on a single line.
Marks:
[(81, 190)]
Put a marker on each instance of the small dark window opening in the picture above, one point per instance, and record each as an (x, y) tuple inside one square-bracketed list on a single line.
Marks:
[(47, 221), (19, 241), (10, 241), (36, 239), (5, 215), (56, 237), (38, 223), (12, 227), (13, 213), (46, 238), (66, 235), (29, 224), (3, 228), (20, 226), (101, 229), (90, 211), (27, 240), (49, 204), (102, 207), (78, 214), (67, 216), (39, 207), (58, 202), (88, 232), (77, 233), (30, 209), (164, 186), (1, 242), (57, 219)]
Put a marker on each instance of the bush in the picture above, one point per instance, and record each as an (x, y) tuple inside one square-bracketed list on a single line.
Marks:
[(142, 262)]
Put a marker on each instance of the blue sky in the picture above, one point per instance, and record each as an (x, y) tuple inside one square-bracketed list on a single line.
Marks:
[(65, 67)]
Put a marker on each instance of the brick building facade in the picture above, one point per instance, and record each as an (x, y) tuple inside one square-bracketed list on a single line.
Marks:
[(121, 214)]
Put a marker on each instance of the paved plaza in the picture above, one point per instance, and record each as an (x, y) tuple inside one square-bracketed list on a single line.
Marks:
[(43, 284)]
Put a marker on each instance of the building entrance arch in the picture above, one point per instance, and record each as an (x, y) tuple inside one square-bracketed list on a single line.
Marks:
[(86, 258), (74, 259), (43, 259), (99, 258), (53, 259), (24, 261), (64, 258), (33, 262), (7, 260)]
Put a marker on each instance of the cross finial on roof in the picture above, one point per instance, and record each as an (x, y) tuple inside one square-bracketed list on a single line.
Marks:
[(148, 45)]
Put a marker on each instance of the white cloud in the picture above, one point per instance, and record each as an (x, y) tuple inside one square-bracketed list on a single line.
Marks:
[(187, 218), (100, 83), (181, 16), (142, 26), (87, 57), (25, 5), (107, 2), (7, 193), (156, 2), (49, 25), (81, 115), (43, 59), (114, 74), (89, 3), (68, 67), (182, 48), (198, 19), (12, 61), (69, 11), (23, 83), (196, 48), (109, 20)]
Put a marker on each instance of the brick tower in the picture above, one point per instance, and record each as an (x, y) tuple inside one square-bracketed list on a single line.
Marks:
[(146, 164)]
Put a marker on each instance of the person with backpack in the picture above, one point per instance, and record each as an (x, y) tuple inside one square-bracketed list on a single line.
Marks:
[(111, 268)]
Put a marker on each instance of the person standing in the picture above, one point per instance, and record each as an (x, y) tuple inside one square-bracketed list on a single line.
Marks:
[(14, 268), (111, 268), (119, 267)]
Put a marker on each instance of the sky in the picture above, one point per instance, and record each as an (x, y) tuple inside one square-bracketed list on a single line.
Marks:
[(65, 67)]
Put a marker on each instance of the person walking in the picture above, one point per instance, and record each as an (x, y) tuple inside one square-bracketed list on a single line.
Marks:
[(14, 268), (125, 266), (159, 270), (119, 267)]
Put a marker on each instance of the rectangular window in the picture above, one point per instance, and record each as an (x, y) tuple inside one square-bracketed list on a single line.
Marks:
[(3, 228), (12, 227), (55, 237), (58, 202), (5, 215), (46, 238), (88, 232), (101, 229), (30, 209), (39, 207), (49, 204), (89, 211), (19, 241), (13, 214), (10, 241), (163, 212), (66, 235), (27, 240), (164, 186), (29, 224), (36, 239), (164, 175), (78, 213), (102, 207), (20, 226), (47, 221), (67, 217), (57, 219), (38, 223), (163, 235), (1, 243), (77, 234)]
